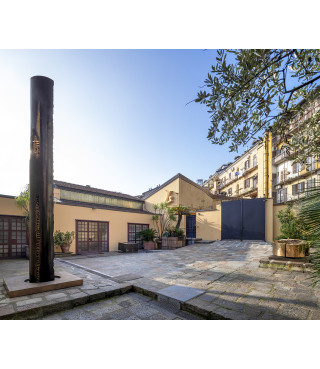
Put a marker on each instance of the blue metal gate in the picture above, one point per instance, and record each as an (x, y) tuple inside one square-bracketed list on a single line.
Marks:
[(191, 226), (243, 219)]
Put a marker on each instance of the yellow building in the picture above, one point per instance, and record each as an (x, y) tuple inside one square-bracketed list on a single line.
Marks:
[(249, 176), (101, 219)]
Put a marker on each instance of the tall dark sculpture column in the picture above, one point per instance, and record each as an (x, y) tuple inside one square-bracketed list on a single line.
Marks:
[(41, 181)]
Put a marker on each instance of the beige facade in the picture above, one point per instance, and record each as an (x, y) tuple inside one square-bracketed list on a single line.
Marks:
[(65, 217), (291, 180), (8, 206)]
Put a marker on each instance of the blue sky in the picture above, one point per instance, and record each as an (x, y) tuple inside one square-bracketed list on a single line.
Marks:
[(120, 117)]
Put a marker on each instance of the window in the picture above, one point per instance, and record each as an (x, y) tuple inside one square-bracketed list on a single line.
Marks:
[(133, 229), (229, 175), (247, 164), (311, 183), (282, 195), (298, 188), (295, 168), (254, 161), (255, 182), (310, 163), (13, 236), (92, 236), (247, 183), (100, 199), (230, 192)]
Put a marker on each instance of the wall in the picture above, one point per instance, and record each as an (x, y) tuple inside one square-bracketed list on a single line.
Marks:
[(269, 220), (209, 224), (65, 217), (162, 194), (8, 207), (194, 197)]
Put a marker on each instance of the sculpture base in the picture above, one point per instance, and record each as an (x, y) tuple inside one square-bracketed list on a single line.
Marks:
[(16, 286)]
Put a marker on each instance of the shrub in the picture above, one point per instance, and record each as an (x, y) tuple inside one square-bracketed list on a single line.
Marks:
[(61, 238), (148, 234)]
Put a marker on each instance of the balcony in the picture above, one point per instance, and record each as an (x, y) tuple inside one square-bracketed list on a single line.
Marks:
[(249, 170), (247, 190), (276, 140), (283, 156)]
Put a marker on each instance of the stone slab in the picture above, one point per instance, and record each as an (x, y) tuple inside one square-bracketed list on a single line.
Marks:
[(16, 286), (126, 277), (180, 293)]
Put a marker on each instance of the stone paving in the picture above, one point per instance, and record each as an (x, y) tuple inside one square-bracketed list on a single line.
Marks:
[(130, 306), (227, 273)]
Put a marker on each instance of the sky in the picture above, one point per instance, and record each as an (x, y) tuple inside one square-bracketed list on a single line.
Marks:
[(121, 121)]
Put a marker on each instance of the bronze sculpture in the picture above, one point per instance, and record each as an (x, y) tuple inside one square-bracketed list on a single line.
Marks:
[(41, 181)]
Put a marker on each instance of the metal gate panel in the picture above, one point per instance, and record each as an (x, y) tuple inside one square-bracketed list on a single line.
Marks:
[(253, 215), (231, 220), (243, 219)]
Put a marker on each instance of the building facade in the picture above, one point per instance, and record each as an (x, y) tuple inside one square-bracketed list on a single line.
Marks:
[(100, 218), (292, 180), (249, 176)]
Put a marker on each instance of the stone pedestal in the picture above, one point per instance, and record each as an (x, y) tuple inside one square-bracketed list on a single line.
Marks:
[(16, 286)]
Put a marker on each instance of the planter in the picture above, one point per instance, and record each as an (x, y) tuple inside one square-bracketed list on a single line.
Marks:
[(172, 243), (149, 245), (65, 248), (128, 246), (159, 245), (290, 248)]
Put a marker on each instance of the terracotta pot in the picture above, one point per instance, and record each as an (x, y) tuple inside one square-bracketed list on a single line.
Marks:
[(149, 245), (65, 248)]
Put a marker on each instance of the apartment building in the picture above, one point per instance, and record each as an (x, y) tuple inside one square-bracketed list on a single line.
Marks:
[(249, 176), (292, 180)]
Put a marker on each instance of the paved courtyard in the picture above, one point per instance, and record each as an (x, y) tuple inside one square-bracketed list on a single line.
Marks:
[(225, 276), (130, 306)]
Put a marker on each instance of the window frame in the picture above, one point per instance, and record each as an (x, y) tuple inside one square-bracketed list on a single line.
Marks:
[(135, 232)]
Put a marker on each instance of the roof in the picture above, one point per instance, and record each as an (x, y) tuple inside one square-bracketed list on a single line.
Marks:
[(100, 206), (7, 196), (149, 193), (89, 189)]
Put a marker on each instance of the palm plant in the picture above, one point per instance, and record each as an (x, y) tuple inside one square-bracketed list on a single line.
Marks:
[(148, 234), (180, 210), (162, 218), (308, 209)]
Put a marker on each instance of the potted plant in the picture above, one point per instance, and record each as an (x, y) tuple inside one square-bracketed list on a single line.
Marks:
[(63, 240), (291, 243), (162, 218), (148, 236), (173, 238)]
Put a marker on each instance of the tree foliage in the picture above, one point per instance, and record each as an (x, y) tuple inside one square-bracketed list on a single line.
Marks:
[(180, 211), (309, 210), (22, 202), (249, 91), (291, 226)]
